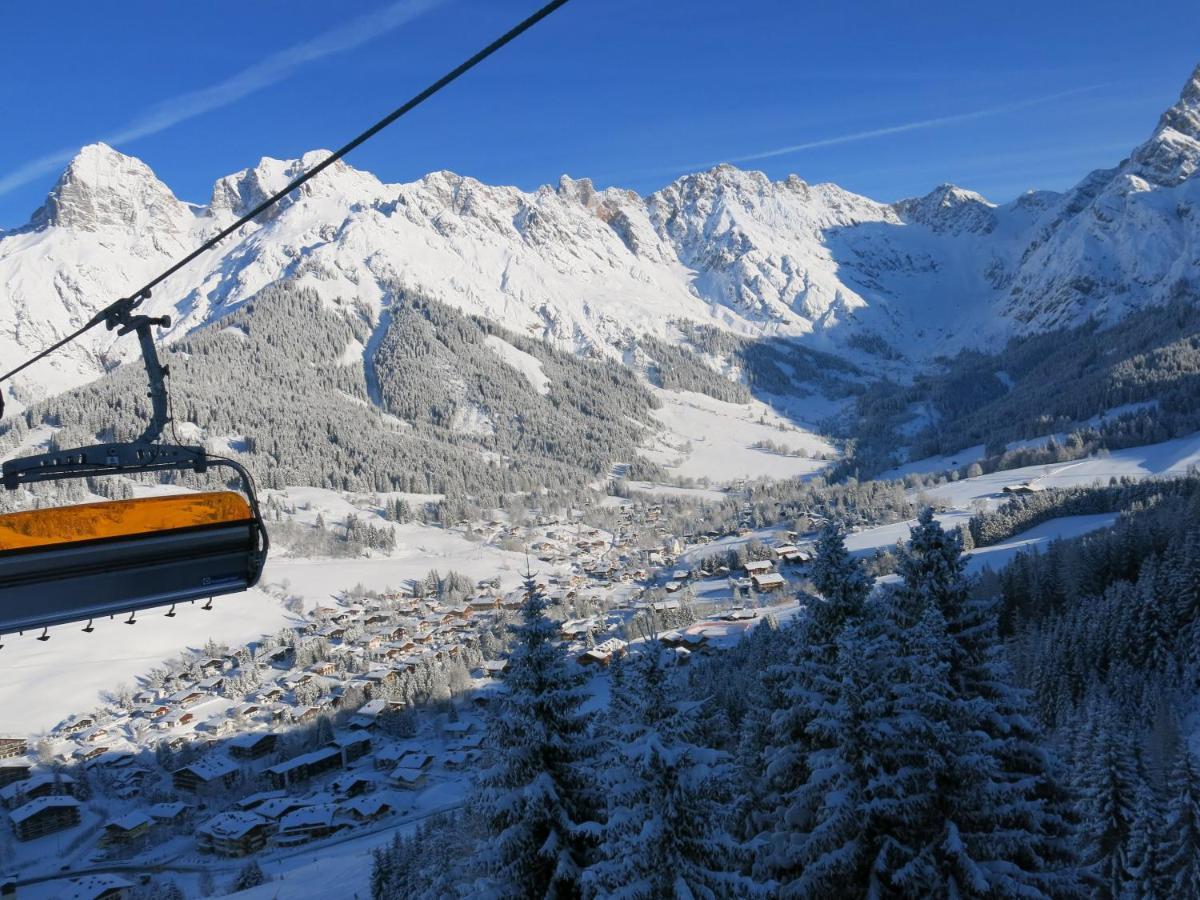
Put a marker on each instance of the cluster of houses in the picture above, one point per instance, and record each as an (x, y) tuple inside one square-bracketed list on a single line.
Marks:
[(231, 712)]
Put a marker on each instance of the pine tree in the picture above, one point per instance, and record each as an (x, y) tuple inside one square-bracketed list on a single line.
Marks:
[(1110, 787), (250, 875), (798, 690), (1181, 832), (664, 834), (1146, 863), (537, 800), (1026, 829), (839, 579)]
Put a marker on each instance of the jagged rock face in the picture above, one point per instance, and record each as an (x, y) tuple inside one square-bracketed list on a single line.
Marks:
[(103, 189), (950, 210), (589, 268)]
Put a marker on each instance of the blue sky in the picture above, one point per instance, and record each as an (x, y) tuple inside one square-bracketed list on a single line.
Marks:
[(885, 98)]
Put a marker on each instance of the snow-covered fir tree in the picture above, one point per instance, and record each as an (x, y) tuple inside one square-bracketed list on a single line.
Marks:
[(539, 799), (798, 689), (664, 833), (1181, 830)]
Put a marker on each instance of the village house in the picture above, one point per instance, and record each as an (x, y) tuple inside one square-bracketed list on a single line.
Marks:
[(44, 784), (11, 772), (187, 697), (12, 746), (168, 814), (75, 725), (44, 815), (255, 800), (151, 710), (303, 767), (407, 778), (94, 887), (206, 774), (364, 809), (307, 824), (234, 834), (126, 829), (759, 567), (765, 584), (353, 746), (252, 744)]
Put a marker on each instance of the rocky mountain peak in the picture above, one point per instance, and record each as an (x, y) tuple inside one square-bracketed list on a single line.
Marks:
[(949, 209), (1172, 155), (103, 188)]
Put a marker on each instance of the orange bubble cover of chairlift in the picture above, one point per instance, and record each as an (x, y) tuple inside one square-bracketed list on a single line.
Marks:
[(119, 518)]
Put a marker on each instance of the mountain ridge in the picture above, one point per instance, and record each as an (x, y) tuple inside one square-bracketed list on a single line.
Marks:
[(591, 269)]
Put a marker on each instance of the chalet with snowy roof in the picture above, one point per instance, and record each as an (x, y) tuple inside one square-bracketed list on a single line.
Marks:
[(278, 807), (168, 813), (353, 745), (234, 834), (688, 640), (218, 726), (407, 778), (175, 719), (307, 824), (44, 815), (380, 678), (11, 747), (254, 800), (187, 697), (768, 583), (14, 771), (44, 784), (759, 567), (246, 710), (252, 744), (126, 829), (214, 684), (88, 754), (603, 653), (354, 783), (102, 886), (151, 710), (303, 767), (365, 808), (75, 725), (210, 773)]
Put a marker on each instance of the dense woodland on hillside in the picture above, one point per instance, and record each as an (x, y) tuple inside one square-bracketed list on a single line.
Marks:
[(269, 378), (1045, 384), (879, 745)]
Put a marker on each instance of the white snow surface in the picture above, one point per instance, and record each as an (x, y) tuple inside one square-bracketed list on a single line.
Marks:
[(525, 363), (708, 438)]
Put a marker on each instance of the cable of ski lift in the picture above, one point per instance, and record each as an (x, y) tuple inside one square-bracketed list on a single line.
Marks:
[(72, 563), (129, 303)]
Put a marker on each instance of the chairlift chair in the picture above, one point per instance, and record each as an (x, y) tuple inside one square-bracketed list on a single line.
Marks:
[(87, 561)]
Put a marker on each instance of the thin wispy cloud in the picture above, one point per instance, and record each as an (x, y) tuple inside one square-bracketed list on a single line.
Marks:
[(270, 70), (917, 125)]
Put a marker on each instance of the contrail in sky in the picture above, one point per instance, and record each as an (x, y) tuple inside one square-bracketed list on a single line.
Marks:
[(919, 124), (269, 71)]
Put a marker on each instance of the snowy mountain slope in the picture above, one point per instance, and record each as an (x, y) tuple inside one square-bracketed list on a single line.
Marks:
[(884, 284)]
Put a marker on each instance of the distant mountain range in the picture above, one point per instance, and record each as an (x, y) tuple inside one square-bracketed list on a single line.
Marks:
[(885, 285)]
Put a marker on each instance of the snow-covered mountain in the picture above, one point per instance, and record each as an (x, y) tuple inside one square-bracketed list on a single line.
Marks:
[(589, 269)]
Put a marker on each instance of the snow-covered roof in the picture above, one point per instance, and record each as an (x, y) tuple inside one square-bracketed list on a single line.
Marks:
[(129, 821), (232, 824), (308, 817), (90, 887), (39, 804)]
